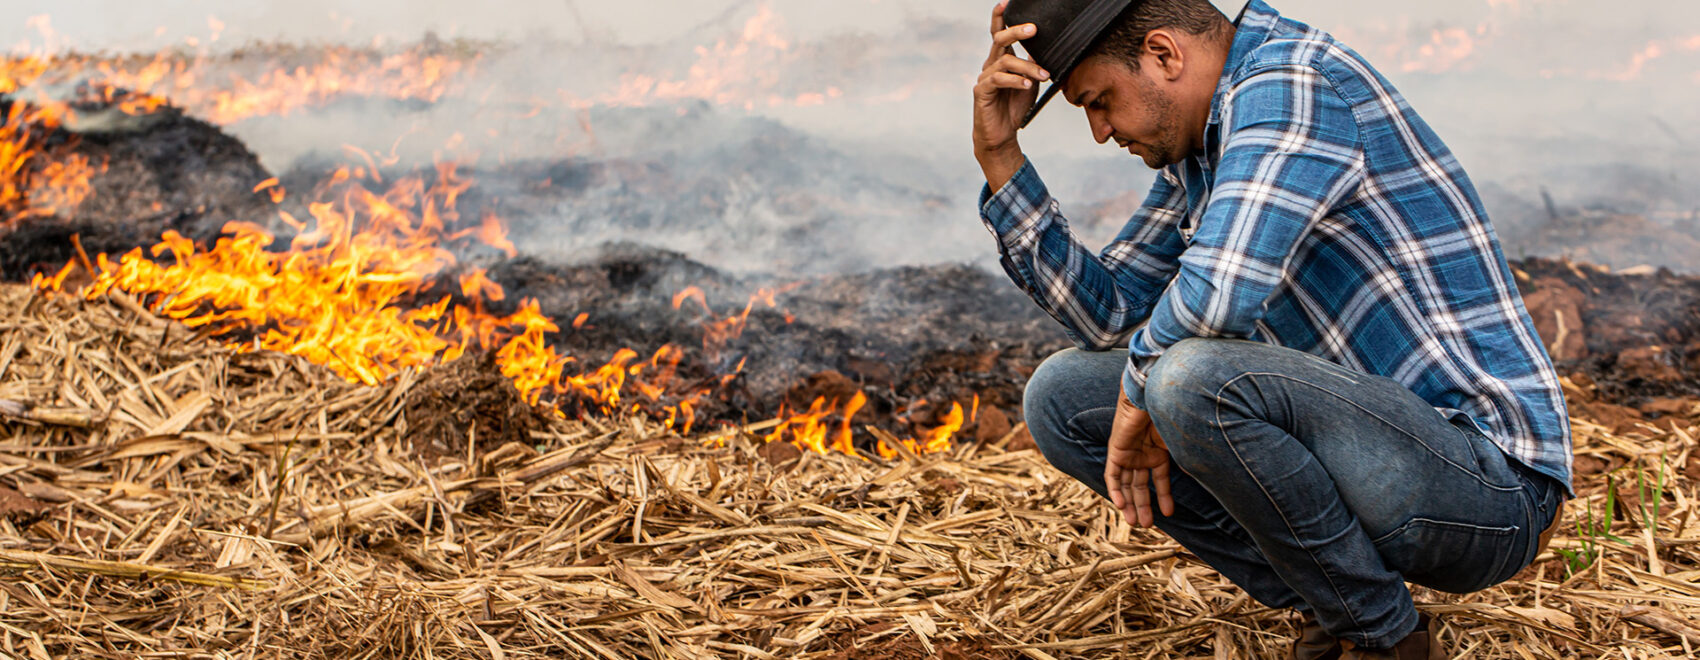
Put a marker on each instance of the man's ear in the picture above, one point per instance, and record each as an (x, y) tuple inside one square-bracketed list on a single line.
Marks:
[(1164, 50)]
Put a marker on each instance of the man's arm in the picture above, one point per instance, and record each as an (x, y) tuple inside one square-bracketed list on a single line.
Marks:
[(1291, 155), (1098, 298)]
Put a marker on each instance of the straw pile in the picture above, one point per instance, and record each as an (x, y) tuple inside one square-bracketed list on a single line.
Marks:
[(167, 497)]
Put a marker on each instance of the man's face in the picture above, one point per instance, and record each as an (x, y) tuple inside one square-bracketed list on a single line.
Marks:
[(1129, 107)]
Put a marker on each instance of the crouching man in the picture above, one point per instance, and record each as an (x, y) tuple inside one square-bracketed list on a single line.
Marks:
[(1331, 385)]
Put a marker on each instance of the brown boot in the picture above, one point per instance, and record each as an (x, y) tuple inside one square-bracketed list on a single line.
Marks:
[(1422, 644), (1314, 643)]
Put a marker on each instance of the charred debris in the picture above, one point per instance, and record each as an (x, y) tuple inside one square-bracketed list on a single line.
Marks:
[(911, 339)]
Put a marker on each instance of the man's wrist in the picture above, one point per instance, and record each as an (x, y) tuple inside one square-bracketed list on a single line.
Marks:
[(1000, 165), (1133, 386)]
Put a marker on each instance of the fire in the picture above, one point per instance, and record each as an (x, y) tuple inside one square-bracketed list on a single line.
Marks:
[(279, 79), (354, 292), (738, 72), (1446, 49), (933, 441), (1653, 50), (37, 179), (340, 296), (716, 334), (814, 430), (259, 81), (809, 430), (369, 283)]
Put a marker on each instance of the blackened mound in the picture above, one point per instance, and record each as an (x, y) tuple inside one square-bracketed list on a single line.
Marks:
[(162, 170)]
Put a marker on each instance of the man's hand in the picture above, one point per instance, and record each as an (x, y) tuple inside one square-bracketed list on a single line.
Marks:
[(1138, 461), (1007, 87)]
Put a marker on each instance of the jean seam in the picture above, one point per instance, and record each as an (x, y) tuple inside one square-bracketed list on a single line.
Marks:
[(1383, 420), (1500, 531), (1220, 428), (1071, 427)]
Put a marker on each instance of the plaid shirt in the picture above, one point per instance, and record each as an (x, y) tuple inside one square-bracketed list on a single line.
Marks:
[(1322, 215)]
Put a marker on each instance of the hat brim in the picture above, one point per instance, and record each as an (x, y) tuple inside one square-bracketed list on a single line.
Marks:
[(1045, 97)]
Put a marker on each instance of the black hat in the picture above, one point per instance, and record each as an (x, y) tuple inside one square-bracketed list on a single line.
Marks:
[(1067, 28)]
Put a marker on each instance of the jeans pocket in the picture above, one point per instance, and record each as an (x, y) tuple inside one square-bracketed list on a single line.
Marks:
[(1449, 556), (1493, 467)]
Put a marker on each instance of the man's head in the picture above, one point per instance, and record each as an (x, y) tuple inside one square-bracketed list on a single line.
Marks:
[(1148, 81)]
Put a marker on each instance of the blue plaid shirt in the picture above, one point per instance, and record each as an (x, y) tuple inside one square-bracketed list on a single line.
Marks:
[(1322, 215)]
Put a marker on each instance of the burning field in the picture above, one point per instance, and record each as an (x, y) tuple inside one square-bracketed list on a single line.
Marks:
[(337, 410)]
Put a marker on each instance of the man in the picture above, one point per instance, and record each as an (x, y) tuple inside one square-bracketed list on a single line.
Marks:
[(1332, 386)]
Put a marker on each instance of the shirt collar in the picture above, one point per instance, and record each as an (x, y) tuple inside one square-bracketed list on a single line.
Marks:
[(1253, 27)]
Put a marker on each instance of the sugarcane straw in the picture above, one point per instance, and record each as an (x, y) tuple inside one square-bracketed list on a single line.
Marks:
[(25, 560), (83, 419)]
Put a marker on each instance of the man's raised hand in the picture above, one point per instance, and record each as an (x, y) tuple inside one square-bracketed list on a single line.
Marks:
[(1007, 87)]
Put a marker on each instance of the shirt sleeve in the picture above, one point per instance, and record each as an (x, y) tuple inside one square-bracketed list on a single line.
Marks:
[(1098, 298), (1290, 154)]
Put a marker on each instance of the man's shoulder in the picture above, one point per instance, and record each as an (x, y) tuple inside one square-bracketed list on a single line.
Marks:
[(1293, 45)]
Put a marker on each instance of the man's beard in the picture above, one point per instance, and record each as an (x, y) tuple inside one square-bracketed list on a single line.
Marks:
[(1167, 149)]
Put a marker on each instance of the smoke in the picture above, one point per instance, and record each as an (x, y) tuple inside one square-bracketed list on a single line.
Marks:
[(799, 136)]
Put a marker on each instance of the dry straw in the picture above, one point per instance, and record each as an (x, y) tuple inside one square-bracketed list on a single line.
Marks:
[(168, 497)]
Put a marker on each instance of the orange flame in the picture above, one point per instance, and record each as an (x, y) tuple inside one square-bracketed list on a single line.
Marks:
[(36, 180), (215, 89), (348, 294), (810, 430), (931, 442), (717, 333), (280, 80)]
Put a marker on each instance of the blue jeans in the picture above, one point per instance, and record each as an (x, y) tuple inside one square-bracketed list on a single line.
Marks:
[(1309, 485)]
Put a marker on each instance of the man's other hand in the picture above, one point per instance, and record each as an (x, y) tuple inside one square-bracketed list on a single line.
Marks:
[(1007, 87), (1138, 462)]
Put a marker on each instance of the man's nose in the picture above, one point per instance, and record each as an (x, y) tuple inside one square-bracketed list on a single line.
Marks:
[(1100, 129)]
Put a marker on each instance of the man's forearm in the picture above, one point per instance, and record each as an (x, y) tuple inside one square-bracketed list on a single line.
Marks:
[(1098, 298), (1000, 166)]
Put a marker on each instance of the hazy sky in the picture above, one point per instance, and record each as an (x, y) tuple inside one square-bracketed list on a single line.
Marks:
[(1619, 76)]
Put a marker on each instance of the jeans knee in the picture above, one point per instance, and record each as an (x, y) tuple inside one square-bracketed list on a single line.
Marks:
[(1045, 404), (1180, 396), (1186, 375)]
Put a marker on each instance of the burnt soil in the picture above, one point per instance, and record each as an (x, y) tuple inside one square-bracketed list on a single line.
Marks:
[(160, 171)]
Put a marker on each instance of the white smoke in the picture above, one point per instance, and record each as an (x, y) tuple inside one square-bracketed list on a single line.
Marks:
[(868, 99)]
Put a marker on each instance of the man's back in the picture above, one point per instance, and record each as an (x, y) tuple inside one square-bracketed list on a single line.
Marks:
[(1404, 277)]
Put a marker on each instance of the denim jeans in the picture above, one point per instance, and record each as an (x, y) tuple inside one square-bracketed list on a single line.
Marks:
[(1309, 485)]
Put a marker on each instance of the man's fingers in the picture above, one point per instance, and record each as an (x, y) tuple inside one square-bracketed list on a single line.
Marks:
[(1142, 496), (1160, 477), (993, 80), (1113, 482), (997, 16), (1007, 37), (1028, 68), (1131, 509), (1002, 40)]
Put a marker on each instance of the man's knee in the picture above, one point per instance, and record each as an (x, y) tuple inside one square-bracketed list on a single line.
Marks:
[(1047, 402), (1181, 394), (1061, 392), (1189, 374)]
